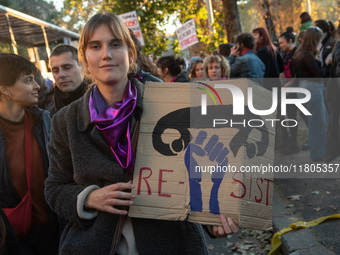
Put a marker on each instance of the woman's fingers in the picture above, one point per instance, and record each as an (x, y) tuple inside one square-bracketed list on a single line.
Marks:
[(225, 225), (121, 195), (120, 186), (116, 211), (228, 227), (120, 202), (232, 225), (106, 198)]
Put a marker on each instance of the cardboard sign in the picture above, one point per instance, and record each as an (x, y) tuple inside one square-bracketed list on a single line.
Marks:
[(181, 170), (187, 35), (131, 21)]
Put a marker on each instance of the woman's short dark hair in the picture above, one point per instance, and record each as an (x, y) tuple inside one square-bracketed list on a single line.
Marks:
[(305, 17), (288, 35), (173, 64), (13, 67), (224, 49), (247, 39), (323, 25), (64, 48)]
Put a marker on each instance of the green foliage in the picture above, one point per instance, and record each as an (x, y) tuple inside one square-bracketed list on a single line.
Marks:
[(196, 9), (152, 16), (7, 48), (9, 3), (37, 8)]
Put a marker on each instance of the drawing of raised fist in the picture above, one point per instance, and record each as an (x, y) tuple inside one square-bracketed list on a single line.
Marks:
[(215, 153)]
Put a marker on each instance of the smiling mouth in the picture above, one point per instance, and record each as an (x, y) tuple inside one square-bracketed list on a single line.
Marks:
[(108, 66)]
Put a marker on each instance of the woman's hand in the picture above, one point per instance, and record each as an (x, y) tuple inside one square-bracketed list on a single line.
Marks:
[(234, 51), (228, 227), (105, 199)]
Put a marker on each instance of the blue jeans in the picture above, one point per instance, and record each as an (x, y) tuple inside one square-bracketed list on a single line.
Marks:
[(317, 122)]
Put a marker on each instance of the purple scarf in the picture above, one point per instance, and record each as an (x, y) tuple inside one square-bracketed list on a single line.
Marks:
[(113, 122)]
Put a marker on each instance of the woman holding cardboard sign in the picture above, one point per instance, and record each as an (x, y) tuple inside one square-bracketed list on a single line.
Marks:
[(92, 157)]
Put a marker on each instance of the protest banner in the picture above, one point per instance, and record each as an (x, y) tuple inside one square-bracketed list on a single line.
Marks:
[(194, 156), (131, 21), (187, 35)]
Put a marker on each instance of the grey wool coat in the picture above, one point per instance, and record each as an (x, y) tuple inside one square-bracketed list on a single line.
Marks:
[(80, 157)]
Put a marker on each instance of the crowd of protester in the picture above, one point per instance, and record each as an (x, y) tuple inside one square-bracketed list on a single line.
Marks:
[(97, 90)]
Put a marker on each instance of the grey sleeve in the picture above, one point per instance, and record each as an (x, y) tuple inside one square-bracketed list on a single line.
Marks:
[(81, 198)]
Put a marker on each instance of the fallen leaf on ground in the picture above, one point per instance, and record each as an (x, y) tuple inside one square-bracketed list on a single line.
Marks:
[(253, 232), (295, 197), (264, 236), (318, 209), (228, 244), (210, 247), (333, 207), (246, 247)]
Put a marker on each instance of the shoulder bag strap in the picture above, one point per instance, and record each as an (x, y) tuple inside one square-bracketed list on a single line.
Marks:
[(121, 219)]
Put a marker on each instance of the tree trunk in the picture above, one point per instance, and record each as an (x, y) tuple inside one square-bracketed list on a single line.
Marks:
[(268, 19), (231, 19)]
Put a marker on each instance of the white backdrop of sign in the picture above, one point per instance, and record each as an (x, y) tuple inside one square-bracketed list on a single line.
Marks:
[(131, 21), (187, 35)]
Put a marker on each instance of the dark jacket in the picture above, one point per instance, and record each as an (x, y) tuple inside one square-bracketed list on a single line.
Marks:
[(81, 157), (146, 76), (246, 66), (307, 66), (41, 131), (8, 195), (274, 65), (336, 61), (325, 50), (61, 99), (288, 61), (11, 245), (182, 77)]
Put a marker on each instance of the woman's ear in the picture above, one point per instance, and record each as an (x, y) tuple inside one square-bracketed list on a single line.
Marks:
[(4, 91)]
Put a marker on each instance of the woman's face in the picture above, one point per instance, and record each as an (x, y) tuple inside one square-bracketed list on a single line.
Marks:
[(107, 57), (24, 92), (214, 71), (199, 71), (283, 43), (257, 37)]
